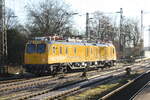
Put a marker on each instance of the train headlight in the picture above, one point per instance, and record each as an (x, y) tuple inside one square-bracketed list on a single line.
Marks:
[(95, 63), (83, 64), (17, 73)]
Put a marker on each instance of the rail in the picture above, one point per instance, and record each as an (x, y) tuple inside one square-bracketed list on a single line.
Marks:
[(127, 91)]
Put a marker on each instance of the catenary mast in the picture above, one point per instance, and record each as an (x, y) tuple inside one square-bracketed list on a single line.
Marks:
[(3, 36)]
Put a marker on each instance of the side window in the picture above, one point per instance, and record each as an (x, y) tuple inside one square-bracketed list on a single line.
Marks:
[(87, 51), (75, 50), (60, 50), (99, 51), (31, 48), (41, 48), (54, 50), (66, 50), (94, 51), (113, 50)]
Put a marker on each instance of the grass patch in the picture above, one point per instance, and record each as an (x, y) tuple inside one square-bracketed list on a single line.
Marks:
[(94, 93)]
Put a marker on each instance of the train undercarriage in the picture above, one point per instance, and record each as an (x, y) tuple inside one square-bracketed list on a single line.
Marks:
[(49, 69)]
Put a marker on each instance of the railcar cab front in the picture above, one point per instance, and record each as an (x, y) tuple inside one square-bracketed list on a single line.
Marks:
[(36, 52)]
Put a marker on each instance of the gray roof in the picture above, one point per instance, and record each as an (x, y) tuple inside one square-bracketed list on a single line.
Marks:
[(76, 43)]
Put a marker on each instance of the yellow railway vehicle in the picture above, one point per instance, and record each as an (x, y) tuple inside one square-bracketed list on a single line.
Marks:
[(46, 57)]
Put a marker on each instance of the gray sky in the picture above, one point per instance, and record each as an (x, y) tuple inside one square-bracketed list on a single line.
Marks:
[(131, 8), (18, 6)]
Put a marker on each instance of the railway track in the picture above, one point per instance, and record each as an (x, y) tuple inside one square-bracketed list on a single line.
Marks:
[(16, 78), (43, 85), (13, 84), (11, 81), (72, 88), (38, 94), (31, 82), (75, 87), (22, 81), (129, 90), (28, 76), (5, 81)]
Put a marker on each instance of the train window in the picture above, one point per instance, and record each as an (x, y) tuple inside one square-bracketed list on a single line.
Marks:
[(94, 51), (113, 50), (41, 48), (54, 50), (87, 51), (99, 51), (60, 50), (75, 51), (31, 48), (91, 50), (66, 50)]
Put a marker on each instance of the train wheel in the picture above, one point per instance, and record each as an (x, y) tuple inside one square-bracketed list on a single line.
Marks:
[(53, 70), (106, 65), (65, 69), (111, 63)]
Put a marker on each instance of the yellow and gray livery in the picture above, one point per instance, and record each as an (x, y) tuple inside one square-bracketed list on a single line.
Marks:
[(47, 57)]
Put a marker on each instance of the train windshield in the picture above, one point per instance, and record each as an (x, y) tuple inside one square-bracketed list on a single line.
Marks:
[(31, 48), (41, 48)]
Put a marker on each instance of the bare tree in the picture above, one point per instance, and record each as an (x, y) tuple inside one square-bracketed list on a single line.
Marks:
[(102, 27), (131, 32), (11, 20), (48, 17)]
